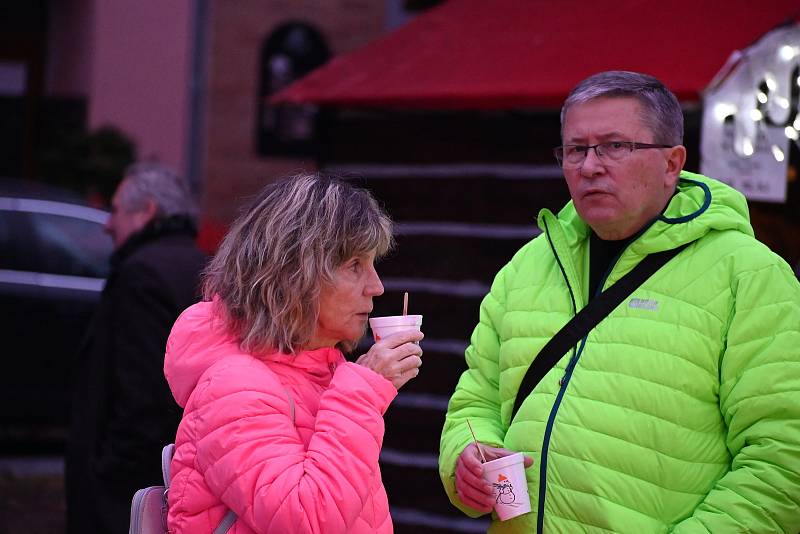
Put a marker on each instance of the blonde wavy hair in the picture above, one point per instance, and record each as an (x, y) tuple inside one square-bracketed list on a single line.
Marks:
[(278, 253)]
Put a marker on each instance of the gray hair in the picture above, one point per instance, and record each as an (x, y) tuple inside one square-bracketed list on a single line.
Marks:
[(157, 182), (272, 263), (661, 112)]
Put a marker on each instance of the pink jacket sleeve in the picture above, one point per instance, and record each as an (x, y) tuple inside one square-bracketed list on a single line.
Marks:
[(251, 454)]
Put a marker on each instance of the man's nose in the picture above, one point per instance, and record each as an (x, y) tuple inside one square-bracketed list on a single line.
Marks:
[(592, 164)]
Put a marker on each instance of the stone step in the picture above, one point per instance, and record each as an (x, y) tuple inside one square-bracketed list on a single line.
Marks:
[(485, 199), (443, 317), (455, 258), (440, 369), (420, 489), (413, 430)]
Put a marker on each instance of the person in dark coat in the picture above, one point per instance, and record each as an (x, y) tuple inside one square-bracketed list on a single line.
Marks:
[(122, 409)]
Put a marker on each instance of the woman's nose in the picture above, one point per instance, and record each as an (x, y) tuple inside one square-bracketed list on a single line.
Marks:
[(374, 286)]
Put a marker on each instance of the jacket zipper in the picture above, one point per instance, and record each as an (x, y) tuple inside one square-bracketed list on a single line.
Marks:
[(563, 382)]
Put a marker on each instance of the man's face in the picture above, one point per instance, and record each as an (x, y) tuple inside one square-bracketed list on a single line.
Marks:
[(123, 223), (617, 198)]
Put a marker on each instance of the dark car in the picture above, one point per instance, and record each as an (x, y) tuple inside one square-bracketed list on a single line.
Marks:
[(53, 264)]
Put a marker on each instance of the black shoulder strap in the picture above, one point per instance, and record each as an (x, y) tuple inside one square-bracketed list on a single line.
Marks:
[(586, 319)]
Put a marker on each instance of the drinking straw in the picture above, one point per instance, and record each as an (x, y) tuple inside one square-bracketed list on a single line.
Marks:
[(405, 303), (483, 458)]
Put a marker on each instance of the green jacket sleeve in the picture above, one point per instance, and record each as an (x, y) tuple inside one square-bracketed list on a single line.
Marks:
[(760, 402), (477, 395)]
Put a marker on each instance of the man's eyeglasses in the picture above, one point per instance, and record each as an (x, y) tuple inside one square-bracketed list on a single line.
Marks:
[(610, 151)]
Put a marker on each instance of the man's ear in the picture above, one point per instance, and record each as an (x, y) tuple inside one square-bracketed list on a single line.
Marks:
[(675, 162), (150, 210)]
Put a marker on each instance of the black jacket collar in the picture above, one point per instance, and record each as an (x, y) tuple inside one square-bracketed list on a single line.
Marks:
[(158, 227)]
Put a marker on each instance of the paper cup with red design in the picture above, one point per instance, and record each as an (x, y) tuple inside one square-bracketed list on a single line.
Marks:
[(390, 324), (509, 485)]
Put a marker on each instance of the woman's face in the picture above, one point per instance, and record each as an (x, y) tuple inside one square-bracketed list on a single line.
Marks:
[(346, 302)]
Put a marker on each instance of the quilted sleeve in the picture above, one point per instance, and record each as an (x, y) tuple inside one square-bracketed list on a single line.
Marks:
[(760, 401), (477, 396), (251, 455)]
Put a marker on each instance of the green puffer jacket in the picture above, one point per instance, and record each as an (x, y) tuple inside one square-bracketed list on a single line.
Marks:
[(679, 413)]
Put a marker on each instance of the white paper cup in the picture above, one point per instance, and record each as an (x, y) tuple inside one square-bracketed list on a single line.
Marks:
[(509, 485), (386, 326)]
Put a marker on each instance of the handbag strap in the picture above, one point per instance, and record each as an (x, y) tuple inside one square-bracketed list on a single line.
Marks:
[(226, 523), (586, 319), (166, 461)]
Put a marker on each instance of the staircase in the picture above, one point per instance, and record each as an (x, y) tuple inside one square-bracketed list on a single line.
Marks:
[(456, 226)]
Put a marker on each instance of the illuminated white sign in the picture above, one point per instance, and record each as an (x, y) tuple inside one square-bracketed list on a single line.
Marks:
[(751, 115)]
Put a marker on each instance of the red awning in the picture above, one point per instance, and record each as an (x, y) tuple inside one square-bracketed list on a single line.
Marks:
[(512, 54)]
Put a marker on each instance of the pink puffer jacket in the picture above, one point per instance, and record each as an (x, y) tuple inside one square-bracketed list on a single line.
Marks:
[(238, 449)]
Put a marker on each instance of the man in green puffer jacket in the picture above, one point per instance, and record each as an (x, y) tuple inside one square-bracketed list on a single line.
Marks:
[(680, 411)]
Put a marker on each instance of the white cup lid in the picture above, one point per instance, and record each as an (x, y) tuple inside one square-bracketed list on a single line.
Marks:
[(395, 320), (504, 461)]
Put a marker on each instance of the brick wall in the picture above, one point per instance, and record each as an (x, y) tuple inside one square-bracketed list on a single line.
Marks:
[(231, 168)]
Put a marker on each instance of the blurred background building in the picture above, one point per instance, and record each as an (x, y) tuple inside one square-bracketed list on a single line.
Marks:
[(183, 82), (446, 110)]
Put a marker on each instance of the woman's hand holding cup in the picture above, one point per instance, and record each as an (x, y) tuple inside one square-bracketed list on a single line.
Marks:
[(397, 357)]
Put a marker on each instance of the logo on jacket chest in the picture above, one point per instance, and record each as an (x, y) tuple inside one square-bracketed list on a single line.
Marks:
[(643, 304)]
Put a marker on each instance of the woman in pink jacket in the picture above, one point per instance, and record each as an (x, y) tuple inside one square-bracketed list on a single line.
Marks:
[(280, 433)]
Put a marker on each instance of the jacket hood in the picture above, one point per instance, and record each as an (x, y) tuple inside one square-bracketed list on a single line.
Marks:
[(200, 338), (699, 205), (197, 339)]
